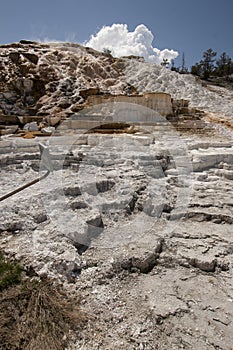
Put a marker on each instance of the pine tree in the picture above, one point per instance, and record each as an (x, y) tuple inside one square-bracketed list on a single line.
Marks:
[(196, 69), (207, 63), (224, 65)]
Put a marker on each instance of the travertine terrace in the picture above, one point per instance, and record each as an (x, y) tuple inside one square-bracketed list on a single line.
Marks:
[(136, 216)]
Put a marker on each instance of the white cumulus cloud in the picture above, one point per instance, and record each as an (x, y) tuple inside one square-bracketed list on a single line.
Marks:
[(121, 42)]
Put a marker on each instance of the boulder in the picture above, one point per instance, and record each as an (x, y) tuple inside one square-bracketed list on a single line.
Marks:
[(33, 126)]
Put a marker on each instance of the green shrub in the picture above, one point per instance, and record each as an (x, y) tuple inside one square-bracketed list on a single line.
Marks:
[(10, 273)]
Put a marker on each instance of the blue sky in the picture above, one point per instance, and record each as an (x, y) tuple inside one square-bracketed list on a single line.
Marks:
[(184, 25)]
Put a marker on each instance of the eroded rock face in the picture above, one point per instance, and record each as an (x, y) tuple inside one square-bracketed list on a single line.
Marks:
[(47, 79), (159, 102)]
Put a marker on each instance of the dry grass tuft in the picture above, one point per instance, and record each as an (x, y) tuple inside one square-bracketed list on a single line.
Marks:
[(36, 315)]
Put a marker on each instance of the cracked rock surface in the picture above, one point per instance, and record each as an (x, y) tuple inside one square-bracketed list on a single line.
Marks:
[(144, 239)]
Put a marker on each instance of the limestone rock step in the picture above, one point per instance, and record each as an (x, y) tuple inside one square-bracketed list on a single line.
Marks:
[(211, 158), (8, 129)]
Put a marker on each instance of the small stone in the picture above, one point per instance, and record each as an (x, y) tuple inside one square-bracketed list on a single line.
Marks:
[(31, 126)]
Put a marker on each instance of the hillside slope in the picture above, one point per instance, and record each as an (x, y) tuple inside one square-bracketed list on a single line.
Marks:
[(136, 217), (55, 78)]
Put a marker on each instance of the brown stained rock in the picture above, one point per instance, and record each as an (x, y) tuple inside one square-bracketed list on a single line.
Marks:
[(76, 107), (52, 120), (24, 119), (31, 57), (89, 92), (14, 56), (31, 134), (38, 88), (64, 103), (8, 119)]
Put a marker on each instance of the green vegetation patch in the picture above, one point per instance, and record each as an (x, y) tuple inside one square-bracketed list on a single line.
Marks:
[(10, 273)]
